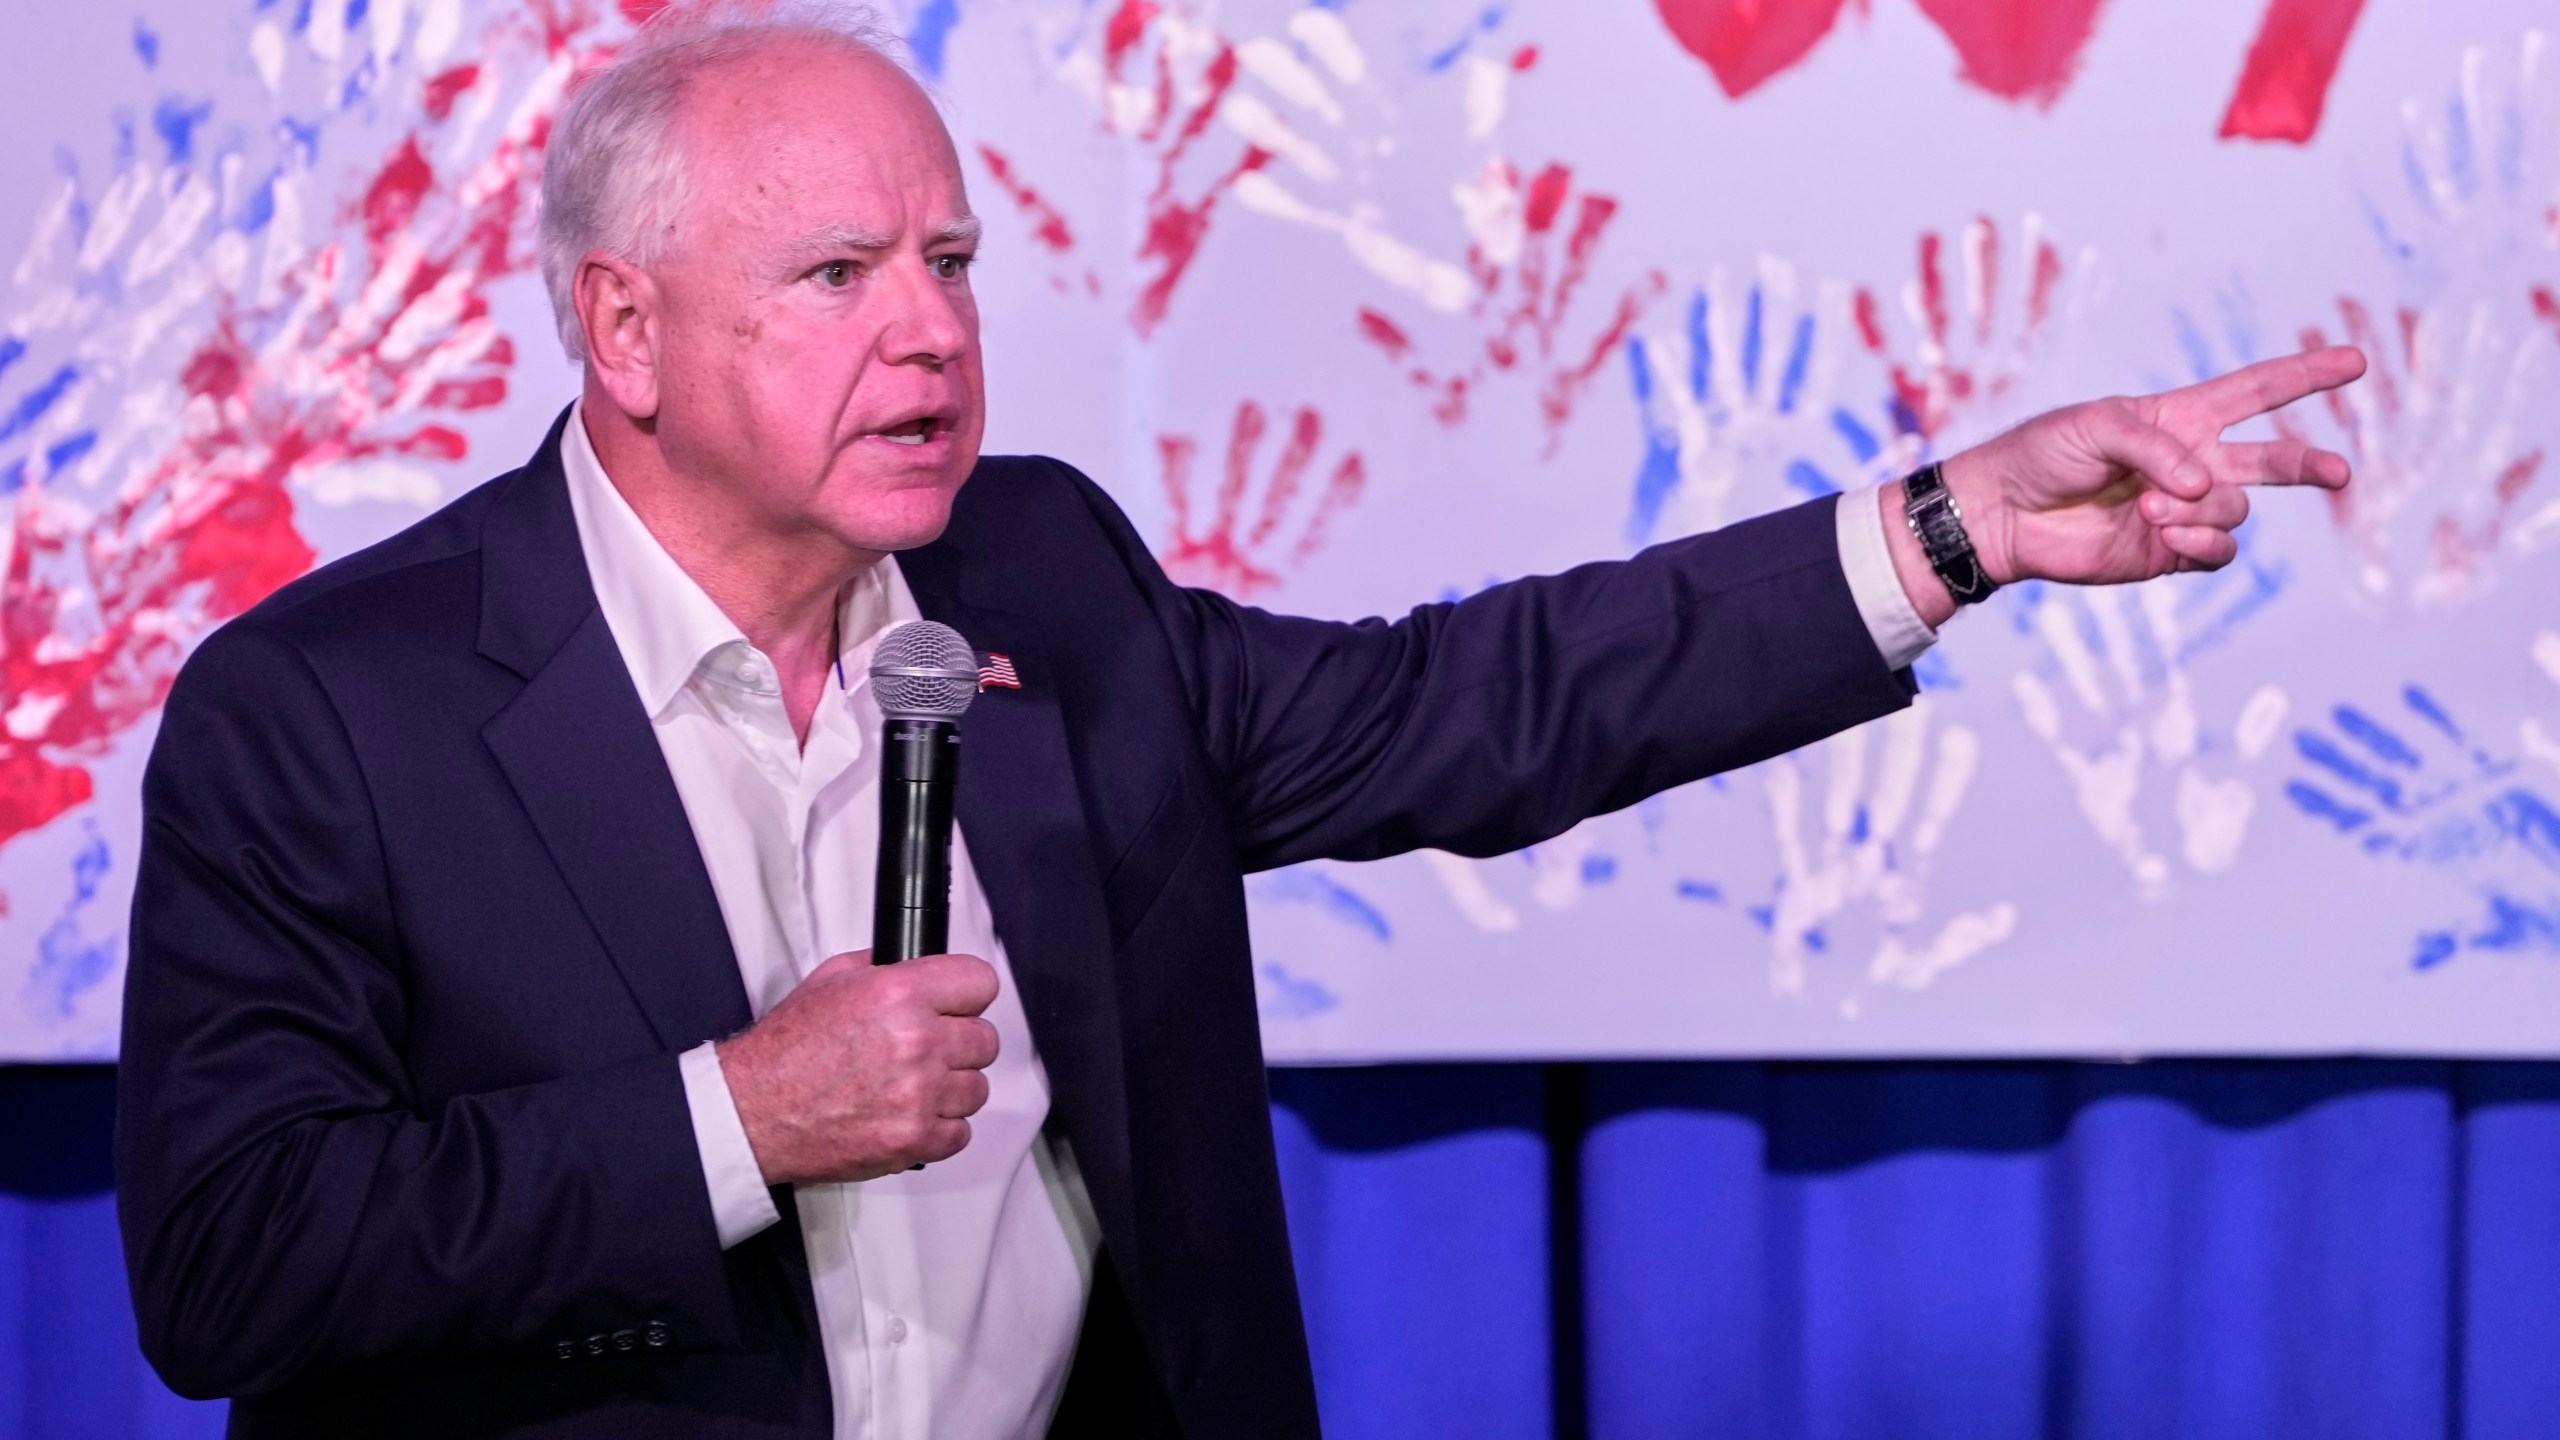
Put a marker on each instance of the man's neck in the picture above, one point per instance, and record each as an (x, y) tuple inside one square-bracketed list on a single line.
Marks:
[(782, 590)]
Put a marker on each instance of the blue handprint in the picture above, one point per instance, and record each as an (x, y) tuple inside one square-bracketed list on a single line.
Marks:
[(1707, 394), (2423, 790), (2472, 173)]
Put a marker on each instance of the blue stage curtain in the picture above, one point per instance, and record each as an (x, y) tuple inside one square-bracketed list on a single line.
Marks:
[(1836, 1252), (2260, 1249), (70, 1368)]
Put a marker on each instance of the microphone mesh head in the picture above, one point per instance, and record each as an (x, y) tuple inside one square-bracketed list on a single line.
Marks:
[(923, 671)]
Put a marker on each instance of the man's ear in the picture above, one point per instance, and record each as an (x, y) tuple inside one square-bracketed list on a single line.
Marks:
[(618, 310)]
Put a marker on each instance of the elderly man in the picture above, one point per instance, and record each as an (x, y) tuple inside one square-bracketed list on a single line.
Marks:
[(500, 1058)]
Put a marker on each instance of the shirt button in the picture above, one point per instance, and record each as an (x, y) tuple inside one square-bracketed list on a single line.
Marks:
[(626, 1339), (655, 1334), (897, 1331), (595, 1344), (566, 1350)]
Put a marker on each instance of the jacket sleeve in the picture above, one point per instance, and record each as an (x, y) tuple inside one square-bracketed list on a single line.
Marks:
[(1503, 719), (291, 1211)]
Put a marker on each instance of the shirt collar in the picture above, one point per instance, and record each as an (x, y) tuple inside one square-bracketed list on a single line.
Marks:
[(663, 622)]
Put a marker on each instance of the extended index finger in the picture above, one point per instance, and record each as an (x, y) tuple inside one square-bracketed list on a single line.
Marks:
[(2272, 384)]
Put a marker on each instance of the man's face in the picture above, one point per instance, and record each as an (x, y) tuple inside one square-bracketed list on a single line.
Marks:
[(817, 345)]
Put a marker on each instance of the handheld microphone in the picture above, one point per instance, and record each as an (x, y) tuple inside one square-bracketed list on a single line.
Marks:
[(924, 676)]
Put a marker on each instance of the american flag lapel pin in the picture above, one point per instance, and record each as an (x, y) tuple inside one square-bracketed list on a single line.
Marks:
[(997, 674)]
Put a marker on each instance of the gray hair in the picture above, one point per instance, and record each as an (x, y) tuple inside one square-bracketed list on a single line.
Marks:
[(614, 175)]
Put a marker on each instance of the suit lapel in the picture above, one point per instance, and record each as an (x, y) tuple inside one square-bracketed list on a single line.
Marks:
[(1030, 841), (578, 749)]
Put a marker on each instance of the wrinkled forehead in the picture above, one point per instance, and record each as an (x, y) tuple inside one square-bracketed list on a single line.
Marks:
[(813, 130)]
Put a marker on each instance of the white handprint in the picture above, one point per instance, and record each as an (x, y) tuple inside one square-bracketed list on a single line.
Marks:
[(2101, 656), (1557, 879), (1862, 857)]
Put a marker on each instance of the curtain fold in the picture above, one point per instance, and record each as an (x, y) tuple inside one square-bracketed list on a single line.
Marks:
[(2355, 1248), (1771, 1251)]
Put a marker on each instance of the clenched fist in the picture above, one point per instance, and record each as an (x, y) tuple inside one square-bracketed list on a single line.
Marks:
[(865, 1070)]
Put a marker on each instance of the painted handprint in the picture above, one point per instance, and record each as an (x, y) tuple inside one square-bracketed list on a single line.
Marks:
[(259, 367), (1291, 125), (1046, 223), (1237, 543), (1722, 396), (2469, 206), (2133, 717), (2448, 434), (1964, 364), (1211, 114), (1559, 872), (1877, 845), (1527, 263), (2407, 782)]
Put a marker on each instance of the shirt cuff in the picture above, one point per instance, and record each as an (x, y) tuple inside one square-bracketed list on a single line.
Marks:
[(740, 1203), (1900, 635)]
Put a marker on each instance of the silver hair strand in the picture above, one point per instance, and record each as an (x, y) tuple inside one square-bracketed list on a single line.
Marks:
[(614, 176)]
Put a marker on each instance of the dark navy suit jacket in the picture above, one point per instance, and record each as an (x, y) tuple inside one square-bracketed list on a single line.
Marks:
[(420, 929)]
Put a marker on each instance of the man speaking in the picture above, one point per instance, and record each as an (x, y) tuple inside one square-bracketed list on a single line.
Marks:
[(500, 1055)]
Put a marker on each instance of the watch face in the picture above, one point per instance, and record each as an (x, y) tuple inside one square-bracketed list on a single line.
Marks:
[(1942, 538)]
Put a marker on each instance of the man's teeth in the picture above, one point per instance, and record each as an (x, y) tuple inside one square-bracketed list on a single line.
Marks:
[(914, 432)]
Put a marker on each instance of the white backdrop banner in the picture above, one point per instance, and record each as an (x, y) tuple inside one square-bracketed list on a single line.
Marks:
[(1361, 305)]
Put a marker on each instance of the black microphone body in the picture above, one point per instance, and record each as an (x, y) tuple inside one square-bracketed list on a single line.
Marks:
[(911, 902), (923, 675)]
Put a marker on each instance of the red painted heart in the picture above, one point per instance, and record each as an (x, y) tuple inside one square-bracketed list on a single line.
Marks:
[(2018, 49), (1746, 42)]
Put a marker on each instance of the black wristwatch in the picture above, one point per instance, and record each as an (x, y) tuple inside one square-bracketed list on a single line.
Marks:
[(1939, 525)]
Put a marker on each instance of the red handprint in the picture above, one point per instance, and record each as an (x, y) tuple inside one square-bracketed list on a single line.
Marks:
[(1527, 264), (2447, 433), (361, 341), (1049, 227), (1239, 558), (1194, 67), (1976, 359)]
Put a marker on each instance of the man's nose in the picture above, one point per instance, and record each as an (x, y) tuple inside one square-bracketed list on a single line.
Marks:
[(925, 324)]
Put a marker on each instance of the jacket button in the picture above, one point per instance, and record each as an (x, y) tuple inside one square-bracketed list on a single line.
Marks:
[(566, 1350), (656, 1334), (595, 1344), (626, 1339)]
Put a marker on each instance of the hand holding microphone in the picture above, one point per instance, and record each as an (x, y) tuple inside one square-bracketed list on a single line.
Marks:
[(865, 1070), (876, 1062)]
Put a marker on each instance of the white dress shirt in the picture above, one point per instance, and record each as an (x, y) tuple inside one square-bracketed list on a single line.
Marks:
[(949, 1299), (1899, 633)]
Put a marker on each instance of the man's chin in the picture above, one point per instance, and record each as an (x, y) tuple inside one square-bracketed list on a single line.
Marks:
[(904, 520), (907, 506)]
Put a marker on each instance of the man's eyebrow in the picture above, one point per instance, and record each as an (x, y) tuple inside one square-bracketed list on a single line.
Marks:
[(828, 239), (835, 239)]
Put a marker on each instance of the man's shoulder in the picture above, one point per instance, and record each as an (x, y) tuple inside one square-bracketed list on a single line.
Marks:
[(388, 580), (388, 606), (1025, 507)]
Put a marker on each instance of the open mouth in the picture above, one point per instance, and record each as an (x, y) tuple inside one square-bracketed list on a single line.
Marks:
[(914, 432)]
